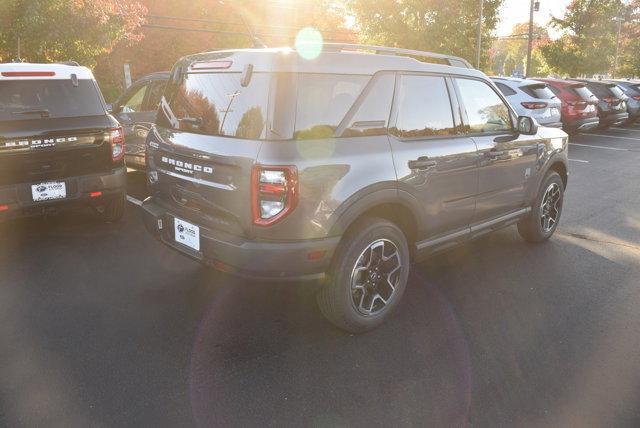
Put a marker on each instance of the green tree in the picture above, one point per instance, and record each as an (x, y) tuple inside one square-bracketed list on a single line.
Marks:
[(434, 25), (587, 43), (509, 54), (57, 30)]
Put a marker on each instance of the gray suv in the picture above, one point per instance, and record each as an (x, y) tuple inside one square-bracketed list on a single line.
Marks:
[(344, 168)]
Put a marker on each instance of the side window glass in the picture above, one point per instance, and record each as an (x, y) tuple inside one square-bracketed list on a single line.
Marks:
[(373, 114), (155, 93), (134, 103), (423, 108), (323, 101), (486, 112)]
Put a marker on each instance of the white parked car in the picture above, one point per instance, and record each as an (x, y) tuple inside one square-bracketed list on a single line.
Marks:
[(531, 98)]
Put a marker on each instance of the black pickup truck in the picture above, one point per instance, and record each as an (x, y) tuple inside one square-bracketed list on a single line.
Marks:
[(59, 148)]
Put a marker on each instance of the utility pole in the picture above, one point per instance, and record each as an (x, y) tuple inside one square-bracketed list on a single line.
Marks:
[(530, 46), (479, 36), (615, 62)]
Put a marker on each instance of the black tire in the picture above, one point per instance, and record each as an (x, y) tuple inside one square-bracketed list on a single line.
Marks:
[(531, 228), (336, 297), (113, 209)]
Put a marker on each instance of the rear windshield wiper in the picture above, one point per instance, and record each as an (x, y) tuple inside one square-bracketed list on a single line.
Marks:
[(42, 112)]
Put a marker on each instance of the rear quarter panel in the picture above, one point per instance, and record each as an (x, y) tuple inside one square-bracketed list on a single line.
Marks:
[(330, 173)]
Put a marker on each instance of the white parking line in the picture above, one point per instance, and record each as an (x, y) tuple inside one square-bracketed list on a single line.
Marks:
[(579, 160), (134, 201), (625, 129), (599, 147), (612, 136)]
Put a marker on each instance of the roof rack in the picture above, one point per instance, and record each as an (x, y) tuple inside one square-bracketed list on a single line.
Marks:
[(383, 50)]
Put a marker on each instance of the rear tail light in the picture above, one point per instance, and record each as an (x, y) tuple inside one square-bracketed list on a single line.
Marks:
[(95, 194), (28, 73), (533, 105), (274, 192), (4, 208), (636, 97), (115, 137), (578, 104)]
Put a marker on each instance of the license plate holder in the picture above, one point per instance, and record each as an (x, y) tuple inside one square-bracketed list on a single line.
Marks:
[(48, 191), (187, 234)]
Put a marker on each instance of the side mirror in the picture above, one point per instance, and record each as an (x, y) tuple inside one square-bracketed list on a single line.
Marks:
[(527, 125)]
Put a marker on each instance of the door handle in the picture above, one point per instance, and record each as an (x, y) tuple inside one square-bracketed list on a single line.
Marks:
[(497, 154), (422, 163)]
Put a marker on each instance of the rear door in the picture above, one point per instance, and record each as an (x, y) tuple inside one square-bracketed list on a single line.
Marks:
[(433, 162), (506, 160)]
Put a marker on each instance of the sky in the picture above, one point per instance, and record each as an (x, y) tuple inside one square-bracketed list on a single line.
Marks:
[(516, 11)]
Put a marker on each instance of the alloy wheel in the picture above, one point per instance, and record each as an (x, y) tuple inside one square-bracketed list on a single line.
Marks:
[(550, 207), (375, 277)]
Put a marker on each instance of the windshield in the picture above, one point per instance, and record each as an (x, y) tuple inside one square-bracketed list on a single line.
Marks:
[(217, 104), (34, 99)]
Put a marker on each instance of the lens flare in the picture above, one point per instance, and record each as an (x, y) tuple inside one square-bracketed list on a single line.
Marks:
[(309, 43)]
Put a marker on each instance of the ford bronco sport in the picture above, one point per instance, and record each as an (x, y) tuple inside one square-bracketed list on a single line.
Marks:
[(343, 168), (58, 146)]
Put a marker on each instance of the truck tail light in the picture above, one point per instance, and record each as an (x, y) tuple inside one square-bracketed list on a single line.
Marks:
[(4, 208), (115, 137), (533, 105), (274, 193)]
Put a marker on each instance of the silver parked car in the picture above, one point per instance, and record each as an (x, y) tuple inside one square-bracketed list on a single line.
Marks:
[(531, 98)]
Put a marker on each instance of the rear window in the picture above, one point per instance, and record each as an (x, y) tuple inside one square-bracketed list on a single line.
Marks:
[(540, 91), (616, 91), (217, 104), (583, 92), (34, 99)]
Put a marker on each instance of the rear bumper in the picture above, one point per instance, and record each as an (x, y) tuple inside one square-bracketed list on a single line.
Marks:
[(614, 118), (582, 124), (19, 200), (263, 260)]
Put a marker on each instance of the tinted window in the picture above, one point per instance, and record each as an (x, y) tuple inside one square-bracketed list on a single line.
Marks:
[(134, 103), (323, 100), (507, 91), (486, 112), (155, 93), (372, 115), (553, 89), (58, 98), (540, 91), (216, 104), (616, 91), (423, 107), (598, 90), (583, 92)]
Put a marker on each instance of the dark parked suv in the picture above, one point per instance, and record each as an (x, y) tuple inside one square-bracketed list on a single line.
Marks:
[(612, 105), (58, 146), (343, 168)]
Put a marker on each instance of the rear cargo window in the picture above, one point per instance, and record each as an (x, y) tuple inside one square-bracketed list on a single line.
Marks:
[(616, 91), (34, 99), (539, 91), (217, 104), (323, 101), (583, 92)]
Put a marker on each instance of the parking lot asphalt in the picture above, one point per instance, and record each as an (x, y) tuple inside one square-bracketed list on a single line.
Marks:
[(100, 325)]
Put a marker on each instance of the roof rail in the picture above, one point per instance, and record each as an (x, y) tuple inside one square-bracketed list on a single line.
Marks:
[(383, 50)]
